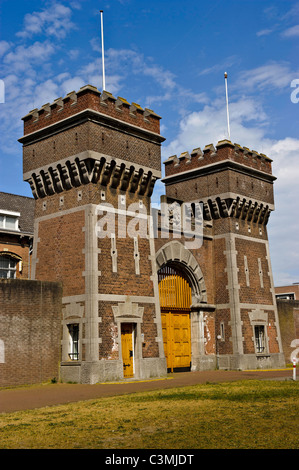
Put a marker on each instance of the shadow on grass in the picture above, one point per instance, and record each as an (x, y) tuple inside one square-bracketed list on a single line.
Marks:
[(235, 392)]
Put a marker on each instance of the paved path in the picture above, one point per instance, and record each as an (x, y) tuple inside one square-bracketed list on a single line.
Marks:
[(38, 396)]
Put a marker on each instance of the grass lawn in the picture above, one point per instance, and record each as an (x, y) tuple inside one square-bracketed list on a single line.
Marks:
[(238, 415)]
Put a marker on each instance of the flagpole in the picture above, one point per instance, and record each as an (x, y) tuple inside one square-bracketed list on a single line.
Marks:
[(227, 112), (103, 58)]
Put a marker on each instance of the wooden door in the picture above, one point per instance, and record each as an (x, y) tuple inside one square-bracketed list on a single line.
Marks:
[(176, 339), (127, 349), (175, 301)]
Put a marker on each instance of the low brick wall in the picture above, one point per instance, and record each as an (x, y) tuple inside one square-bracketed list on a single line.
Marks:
[(288, 313), (30, 325)]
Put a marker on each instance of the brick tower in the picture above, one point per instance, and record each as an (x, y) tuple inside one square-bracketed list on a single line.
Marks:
[(234, 321), (91, 157)]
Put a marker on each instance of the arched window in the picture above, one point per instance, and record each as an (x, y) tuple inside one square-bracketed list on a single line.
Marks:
[(8, 265)]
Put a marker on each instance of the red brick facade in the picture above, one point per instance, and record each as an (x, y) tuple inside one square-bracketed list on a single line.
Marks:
[(84, 154), (90, 155), (235, 187)]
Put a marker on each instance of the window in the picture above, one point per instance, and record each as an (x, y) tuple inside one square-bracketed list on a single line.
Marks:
[(73, 341), (290, 296), (8, 267), (9, 220), (260, 340)]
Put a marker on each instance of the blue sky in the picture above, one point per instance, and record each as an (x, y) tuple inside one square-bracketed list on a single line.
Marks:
[(170, 56)]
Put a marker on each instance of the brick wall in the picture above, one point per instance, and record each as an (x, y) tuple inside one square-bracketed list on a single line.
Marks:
[(29, 331), (288, 312), (94, 137), (59, 251)]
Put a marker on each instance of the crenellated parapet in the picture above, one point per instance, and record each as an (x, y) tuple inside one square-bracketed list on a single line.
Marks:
[(229, 180), (77, 171), (91, 137), (241, 208), (89, 97), (224, 150)]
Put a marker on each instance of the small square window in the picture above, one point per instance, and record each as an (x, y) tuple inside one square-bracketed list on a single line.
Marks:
[(9, 221), (8, 267)]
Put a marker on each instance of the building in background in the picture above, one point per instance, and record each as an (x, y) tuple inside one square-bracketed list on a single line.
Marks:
[(287, 299), (30, 311), (290, 292), (16, 235)]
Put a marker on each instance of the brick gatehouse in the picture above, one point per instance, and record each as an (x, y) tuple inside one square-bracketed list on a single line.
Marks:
[(141, 296)]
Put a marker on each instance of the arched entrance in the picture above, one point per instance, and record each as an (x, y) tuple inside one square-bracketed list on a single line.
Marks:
[(175, 302), (183, 300)]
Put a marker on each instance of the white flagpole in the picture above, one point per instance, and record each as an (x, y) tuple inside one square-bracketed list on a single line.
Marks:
[(227, 112), (103, 59)]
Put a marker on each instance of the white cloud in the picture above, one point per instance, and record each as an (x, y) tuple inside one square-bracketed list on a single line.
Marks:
[(71, 84), (133, 62), (73, 54), (124, 63), (285, 153), (21, 58), (46, 92), (4, 46), (291, 32), (220, 66), (209, 125), (264, 32), (53, 21), (272, 75)]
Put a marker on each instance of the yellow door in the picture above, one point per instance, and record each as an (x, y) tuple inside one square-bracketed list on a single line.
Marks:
[(127, 349), (175, 301), (176, 339)]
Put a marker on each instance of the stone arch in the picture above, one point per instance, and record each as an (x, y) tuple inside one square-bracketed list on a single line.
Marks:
[(175, 253)]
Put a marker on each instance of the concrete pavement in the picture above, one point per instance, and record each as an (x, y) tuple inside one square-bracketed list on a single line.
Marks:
[(37, 396)]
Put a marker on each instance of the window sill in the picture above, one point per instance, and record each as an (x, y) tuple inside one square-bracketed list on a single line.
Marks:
[(70, 363)]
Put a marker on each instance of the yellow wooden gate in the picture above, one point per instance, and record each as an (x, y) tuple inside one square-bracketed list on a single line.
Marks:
[(127, 349), (175, 302)]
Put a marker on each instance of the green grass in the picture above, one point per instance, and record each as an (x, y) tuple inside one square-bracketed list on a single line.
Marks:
[(238, 415)]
